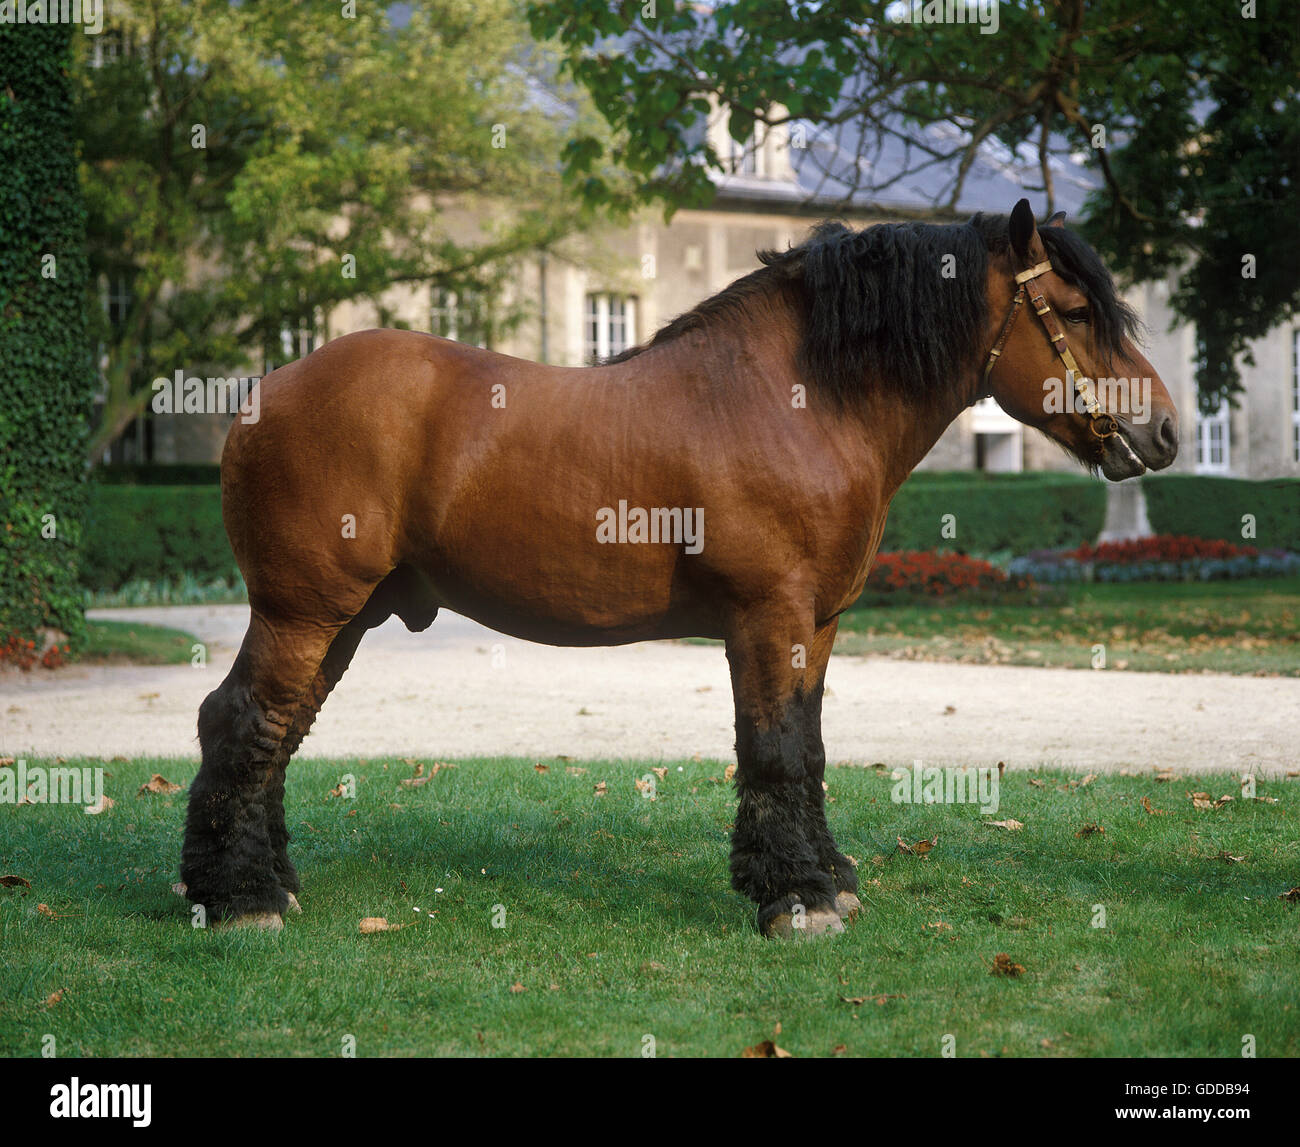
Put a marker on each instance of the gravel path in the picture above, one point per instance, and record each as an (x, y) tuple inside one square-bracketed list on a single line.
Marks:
[(459, 689)]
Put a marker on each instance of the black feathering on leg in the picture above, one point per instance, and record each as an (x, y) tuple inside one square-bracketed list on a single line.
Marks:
[(775, 860), (227, 860)]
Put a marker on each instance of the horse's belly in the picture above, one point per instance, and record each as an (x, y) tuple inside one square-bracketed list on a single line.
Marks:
[(559, 601)]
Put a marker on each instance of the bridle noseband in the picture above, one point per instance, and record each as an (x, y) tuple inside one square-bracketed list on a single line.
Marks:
[(1103, 425)]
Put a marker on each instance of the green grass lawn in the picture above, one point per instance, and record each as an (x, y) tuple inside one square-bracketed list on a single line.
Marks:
[(619, 923), (129, 642), (1244, 627)]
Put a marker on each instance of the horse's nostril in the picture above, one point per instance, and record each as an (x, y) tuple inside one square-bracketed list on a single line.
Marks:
[(1168, 434)]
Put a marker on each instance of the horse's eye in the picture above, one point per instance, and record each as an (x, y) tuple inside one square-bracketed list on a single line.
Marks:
[(1079, 315)]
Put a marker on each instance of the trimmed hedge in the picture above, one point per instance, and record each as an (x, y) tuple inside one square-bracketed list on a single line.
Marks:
[(995, 512), (152, 532), (159, 474), (46, 371), (1205, 507)]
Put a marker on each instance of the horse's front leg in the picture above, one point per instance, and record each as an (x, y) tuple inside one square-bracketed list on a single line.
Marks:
[(782, 856)]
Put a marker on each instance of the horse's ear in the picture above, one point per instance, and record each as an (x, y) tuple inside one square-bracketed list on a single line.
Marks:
[(1022, 229), (1057, 220)]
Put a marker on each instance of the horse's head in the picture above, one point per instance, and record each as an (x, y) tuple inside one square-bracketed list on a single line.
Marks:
[(1063, 358)]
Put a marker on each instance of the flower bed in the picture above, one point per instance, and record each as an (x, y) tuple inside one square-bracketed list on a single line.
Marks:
[(926, 573), (1161, 558)]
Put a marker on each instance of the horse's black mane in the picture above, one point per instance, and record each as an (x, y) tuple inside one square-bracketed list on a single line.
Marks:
[(877, 304)]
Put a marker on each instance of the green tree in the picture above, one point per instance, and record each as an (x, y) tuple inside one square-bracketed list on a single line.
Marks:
[(249, 165), (46, 380), (1189, 109)]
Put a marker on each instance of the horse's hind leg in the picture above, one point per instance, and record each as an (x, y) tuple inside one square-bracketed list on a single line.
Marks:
[(332, 667), (403, 592), (228, 858), (781, 849)]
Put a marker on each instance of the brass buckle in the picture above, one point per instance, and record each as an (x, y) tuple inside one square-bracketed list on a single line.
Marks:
[(1112, 427)]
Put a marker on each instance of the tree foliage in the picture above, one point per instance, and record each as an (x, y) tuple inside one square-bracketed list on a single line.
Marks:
[(248, 165), (1196, 160)]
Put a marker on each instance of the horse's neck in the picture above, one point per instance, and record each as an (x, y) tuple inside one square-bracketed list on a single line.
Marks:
[(895, 432)]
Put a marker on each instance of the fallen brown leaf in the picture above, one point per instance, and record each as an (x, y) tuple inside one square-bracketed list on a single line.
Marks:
[(158, 784), (920, 848), (728, 772), (1146, 804), (517, 987), (1291, 895), (600, 790), (765, 1050), (1010, 825), (379, 924), (104, 803), (541, 768), (1003, 966), (54, 998), (14, 882), (420, 778), (1089, 829)]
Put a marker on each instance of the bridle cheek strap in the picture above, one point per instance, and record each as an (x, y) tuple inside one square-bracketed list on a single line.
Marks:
[(1103, 425)]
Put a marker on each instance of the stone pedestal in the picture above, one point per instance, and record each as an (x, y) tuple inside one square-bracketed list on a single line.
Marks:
[(1126, 513)]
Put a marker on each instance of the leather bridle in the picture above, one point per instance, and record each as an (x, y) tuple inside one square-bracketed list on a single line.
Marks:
[(1103, 425)]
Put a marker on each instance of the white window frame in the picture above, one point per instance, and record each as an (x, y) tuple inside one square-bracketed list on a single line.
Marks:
[(1214, 430), (608, 325), (447, 315), (1295, 395)]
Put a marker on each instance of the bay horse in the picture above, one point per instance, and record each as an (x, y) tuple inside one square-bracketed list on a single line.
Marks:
[(393, 472)]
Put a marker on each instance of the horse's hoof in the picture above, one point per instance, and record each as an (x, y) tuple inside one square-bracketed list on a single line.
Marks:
[(294, 906), (818, 922), (265, 921), (847, 905)]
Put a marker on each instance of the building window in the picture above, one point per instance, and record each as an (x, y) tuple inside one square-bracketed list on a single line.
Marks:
[(1213, 441), (295, 341), (1295, 395), (459, 315), (115, 293), (609, 326), (111, 45), (744, 157)]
